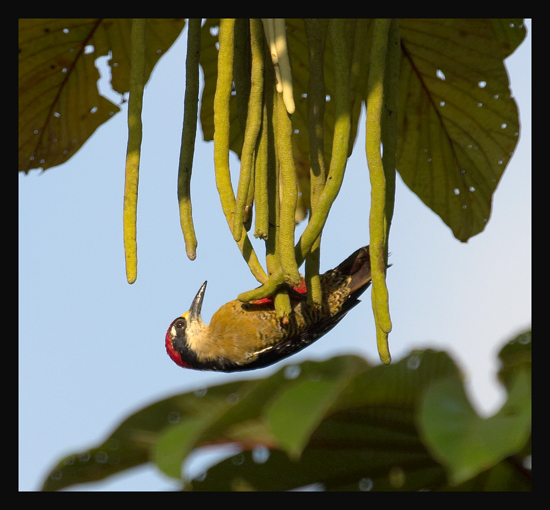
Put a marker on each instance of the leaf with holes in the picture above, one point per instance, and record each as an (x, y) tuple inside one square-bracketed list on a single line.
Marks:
[(59, 103), (458, 122)]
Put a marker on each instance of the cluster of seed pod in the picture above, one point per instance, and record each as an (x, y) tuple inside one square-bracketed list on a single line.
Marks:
[(268, 176)]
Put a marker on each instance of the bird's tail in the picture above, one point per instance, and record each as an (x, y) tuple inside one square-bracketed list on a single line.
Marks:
[(357, 265)]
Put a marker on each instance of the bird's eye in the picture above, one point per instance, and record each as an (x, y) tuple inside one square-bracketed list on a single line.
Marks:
[(180, 323)]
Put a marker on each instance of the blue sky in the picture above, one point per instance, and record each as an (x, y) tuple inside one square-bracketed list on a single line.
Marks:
[(91, 346)]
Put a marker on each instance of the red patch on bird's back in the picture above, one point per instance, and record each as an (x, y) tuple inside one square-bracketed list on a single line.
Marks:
[(300, 289)]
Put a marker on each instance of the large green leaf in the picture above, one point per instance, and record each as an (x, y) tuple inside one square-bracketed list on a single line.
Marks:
[(133, 441), (458, 122), (59, 103), (295, 413), (366, 439), (231, 420), (467, 443), (252, 414), (339, 424)]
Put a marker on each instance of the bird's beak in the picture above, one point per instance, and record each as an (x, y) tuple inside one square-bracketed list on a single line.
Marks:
[(196, 305)]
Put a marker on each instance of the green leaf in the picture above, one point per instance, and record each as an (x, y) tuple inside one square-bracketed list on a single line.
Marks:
[(172, 446), (236, 412), (331, 469), (134, 440), (59, 103), (458, 122), (339, 424), (297, 412), (220, 423), (366, 439), (515, 354), (463, 441)]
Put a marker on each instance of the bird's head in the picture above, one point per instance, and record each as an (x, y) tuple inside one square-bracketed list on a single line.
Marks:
[(185, 333)]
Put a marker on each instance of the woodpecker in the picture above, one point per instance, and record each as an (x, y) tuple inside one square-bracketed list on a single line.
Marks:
[(246, 336)]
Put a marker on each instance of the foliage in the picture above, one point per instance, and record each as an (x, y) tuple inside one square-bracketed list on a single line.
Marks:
[(59, 103), (458, 122), (287, 102), (438, 101), (339, 424)]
